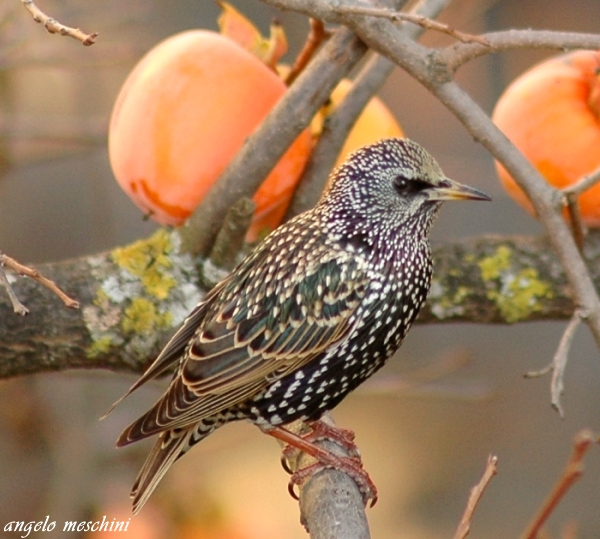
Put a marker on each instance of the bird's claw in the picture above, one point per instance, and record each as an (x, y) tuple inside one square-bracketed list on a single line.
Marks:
[(320, 430), (351, 466)]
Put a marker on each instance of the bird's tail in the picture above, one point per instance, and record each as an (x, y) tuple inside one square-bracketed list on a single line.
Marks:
[(170, 445)]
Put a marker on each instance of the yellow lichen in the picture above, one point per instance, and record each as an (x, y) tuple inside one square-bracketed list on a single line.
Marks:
[(492, 266), (101, 299), (100, 346), (142, 317), (149, 260), (517, 293)]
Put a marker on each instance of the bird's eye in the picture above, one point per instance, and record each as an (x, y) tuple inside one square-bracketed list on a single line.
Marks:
[(405, 186)]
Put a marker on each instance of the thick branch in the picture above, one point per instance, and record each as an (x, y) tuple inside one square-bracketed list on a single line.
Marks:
[(134, 296), (328, 494)]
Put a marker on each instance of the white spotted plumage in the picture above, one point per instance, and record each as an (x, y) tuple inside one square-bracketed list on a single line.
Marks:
[(313, 311)]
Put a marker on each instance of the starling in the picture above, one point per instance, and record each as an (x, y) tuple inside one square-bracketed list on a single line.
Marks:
[(309, 314)]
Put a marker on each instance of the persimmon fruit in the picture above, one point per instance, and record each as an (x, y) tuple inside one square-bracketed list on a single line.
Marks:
[(551, 113), (182, 115)]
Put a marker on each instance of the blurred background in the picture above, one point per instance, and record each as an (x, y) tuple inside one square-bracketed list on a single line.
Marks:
[(424, 443)]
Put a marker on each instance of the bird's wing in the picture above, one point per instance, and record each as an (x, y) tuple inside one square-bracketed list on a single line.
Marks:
[(173, 350), (268, 320)]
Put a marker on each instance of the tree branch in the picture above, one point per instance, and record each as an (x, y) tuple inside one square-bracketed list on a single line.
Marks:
[(331, 504), (458, 54), (558, 364), (54, 27), (571, 474), (133, 297), (464, 527)]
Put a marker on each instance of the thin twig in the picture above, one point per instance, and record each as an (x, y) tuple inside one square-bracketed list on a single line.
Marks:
[(18, 307), (476, 493), (570, 199), (420, 20), (571, 474), (229, 242), (457, 54), (585, 183), (316, 36), (578, 227), (559, 362), (54, 27), (34, 274)]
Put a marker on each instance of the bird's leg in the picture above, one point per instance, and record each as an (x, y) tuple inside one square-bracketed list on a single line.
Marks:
[(350, 465)]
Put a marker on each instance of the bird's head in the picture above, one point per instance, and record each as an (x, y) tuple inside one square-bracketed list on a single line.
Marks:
[(391, 183)]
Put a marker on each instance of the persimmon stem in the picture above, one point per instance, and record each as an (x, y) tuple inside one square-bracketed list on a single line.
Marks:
[(316, 36)]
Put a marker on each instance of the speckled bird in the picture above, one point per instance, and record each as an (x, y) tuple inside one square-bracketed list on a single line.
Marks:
[(312, 312)]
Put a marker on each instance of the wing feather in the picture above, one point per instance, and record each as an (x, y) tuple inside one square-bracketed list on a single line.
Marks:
[(266, 321)]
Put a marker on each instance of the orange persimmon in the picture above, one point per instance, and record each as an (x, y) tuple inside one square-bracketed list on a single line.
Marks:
[(551, 113), (181, 116)]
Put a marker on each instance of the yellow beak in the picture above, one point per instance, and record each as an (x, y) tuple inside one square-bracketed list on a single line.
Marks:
[(448, 189)]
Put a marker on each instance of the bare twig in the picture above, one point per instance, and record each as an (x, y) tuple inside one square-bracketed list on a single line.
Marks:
[(570, 199), (588, 181), (577, 225), (34, 274), (54, 27), (414, 18), (316, 36), (18, 307), (229, 242), (456, 55), (571, 474), (476, 493), (559, 362)]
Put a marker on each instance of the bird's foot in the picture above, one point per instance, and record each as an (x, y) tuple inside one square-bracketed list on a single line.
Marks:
[(321, 431), (351, 466), (326, 459)]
